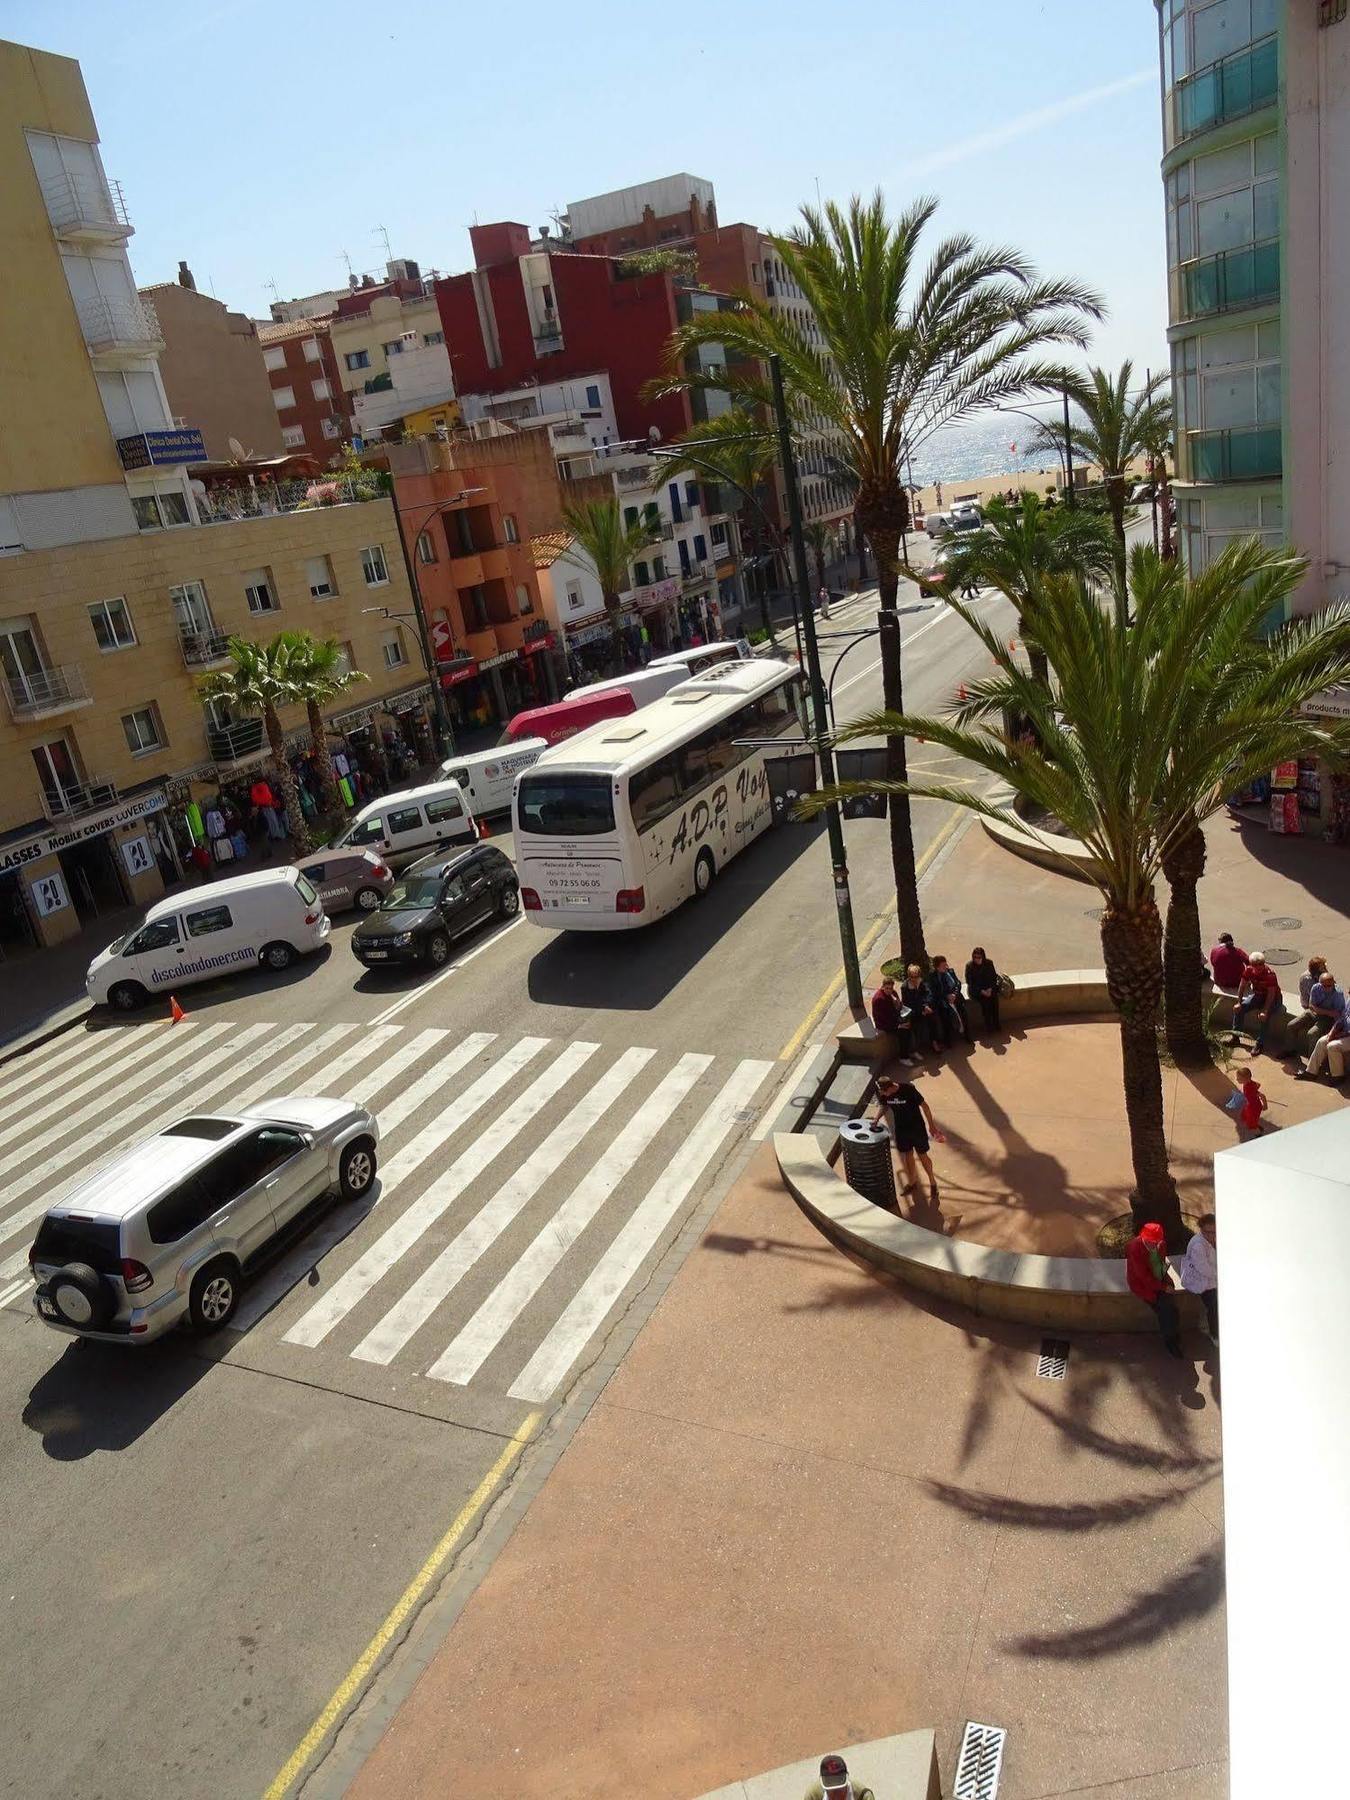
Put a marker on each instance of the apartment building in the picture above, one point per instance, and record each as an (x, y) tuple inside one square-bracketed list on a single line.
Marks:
[(115, 594), (312, 408), (376, 323), (667, 214), (212, 369)]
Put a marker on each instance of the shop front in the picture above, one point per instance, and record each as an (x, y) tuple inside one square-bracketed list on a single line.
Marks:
[(1309, 797), (55, 881)]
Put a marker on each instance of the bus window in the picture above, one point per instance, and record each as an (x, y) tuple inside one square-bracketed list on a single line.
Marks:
[(776, 713), (565, 805), (711, 753), (654, 791)]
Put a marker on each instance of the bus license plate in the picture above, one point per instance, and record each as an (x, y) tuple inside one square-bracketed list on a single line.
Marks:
[(573, 900)]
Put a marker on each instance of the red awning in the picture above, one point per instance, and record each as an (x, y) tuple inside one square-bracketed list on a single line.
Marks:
[(536, 644)]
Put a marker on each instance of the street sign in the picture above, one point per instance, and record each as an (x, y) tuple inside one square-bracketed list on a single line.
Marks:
[(136, 856), (49, 894)]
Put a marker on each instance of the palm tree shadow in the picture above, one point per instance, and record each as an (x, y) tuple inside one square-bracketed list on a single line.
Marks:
[(1151, 1613)]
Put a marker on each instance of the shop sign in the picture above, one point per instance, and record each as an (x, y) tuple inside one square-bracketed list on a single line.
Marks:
[(136, 855), (496, 662), (406, 703), (47, 843), (452, 676), (49, 894), (587, 634), (442, 640), (1331, 703), (149, 449), (660, 593)]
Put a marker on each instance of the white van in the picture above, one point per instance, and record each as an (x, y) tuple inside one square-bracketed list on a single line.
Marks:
[(269, 916), (645, 685), (489, 778), (707, 656), (402, 827)]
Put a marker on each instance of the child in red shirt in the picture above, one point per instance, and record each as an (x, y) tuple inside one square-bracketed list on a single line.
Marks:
[(1254, 1103)]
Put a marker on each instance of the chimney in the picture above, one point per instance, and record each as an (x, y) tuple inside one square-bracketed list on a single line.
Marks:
[(185, 277)]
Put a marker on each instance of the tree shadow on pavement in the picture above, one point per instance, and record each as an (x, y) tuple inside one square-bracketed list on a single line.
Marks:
[(1190, 1593), (1053, 1515)]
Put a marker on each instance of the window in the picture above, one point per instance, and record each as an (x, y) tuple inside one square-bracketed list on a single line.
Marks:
[(293, 436), (642, 575), (312, 350), (510, 527), (426, 548), (700, 549), (654, 791), (159, 510), (207, 920), (524, 604), (346, 658), (112, 624), (464, 533), (142, 730), (433, 337), (317, 872), (405, 818), (630, 516), (691, 495), (651, 514), (258, 591), (322, 391), (574, 600), (283, 397), (394, 347), (331, 428), (159, 934), (566, 805), (369, 831), (357, 359), (659, 568), (373, 567), (592, 395), (274, 356), (319, 573), (439, 811), (719, 534), (183, 1209), (191, 609), (391, 644)]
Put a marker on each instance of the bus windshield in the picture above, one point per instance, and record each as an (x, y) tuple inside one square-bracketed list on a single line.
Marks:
[(565, 805)]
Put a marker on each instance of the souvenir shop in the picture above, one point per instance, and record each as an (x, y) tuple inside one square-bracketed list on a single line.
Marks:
[(1307, 798)]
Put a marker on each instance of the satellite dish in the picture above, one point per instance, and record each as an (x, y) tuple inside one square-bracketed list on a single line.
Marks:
[(237, 450)]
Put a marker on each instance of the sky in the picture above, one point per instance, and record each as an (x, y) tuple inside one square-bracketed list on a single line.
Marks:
[(261, 141)]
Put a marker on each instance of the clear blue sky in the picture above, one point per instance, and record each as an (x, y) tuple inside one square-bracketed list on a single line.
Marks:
[(260, 140)]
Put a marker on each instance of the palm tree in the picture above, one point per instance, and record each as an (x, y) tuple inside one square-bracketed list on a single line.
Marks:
[(1107, 754), (818, 535), (612, 546), (1019, 548), (260, 682), (319, 672), (737, 448), (903, 349)]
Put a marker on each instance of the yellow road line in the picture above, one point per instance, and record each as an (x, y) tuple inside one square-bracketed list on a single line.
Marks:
[(873, 932), (407, 1600)]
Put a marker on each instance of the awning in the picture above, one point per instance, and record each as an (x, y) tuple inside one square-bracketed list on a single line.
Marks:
[(465, 672)]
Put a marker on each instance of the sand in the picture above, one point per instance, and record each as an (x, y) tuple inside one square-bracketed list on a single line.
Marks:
[(984, 487)]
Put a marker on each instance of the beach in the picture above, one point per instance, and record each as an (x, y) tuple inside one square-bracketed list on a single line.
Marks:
[(984, 487)]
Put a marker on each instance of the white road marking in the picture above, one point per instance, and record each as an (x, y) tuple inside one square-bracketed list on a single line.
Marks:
[(905, 643), (361, 1055), (462, 1359), (88, 1048), (407, 1101), (312, 1057), (784, 1093), (384, 1342), (14, 1292), (594, 1299), (313, 1326), (420, 993)]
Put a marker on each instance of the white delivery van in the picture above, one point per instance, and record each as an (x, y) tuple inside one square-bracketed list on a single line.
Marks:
[(707, 656), (645, 685), (404, 826), (489, 778), (270, 916)]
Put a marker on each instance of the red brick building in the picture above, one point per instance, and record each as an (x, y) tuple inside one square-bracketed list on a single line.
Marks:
[(313, 411)]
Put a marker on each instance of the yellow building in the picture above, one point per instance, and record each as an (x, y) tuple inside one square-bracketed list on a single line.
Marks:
[(122, 574), (369, 332)]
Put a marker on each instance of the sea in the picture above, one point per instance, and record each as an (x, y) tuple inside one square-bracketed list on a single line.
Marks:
[(1001, 443)]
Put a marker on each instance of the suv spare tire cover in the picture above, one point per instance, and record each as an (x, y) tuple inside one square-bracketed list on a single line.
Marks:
[(81, 1297)]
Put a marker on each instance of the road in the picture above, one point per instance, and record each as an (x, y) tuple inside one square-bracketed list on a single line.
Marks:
[(204, 1536)]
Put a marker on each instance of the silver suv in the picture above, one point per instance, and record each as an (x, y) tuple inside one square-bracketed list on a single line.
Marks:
[(168, 1230)]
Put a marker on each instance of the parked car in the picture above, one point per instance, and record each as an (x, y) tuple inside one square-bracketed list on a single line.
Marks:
[(435, 902), (938, 524), (402, 828), (347, 878), (169, 1230)]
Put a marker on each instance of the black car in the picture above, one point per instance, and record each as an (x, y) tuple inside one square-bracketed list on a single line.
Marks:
[(437, 899)]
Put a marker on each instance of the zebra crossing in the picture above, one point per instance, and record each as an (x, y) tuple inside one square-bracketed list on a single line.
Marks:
[(525, 1184)]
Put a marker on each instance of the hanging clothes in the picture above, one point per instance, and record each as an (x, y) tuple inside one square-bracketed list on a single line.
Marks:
[(215, 823), (341, 764), (261, 794), (240, 842), (192, 813)]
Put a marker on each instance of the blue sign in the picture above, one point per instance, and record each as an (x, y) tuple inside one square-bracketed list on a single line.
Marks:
[(149, 449)]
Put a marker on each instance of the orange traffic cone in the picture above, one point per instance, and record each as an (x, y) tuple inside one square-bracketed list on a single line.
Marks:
[(175, 1010), (483, 831)]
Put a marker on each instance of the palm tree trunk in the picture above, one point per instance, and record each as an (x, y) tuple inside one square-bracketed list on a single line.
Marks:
[(885, 542), (1038, 662), (1115, 499), (318, 737), (615, 618), (1183, 963), (290, 798), (1132, 953)]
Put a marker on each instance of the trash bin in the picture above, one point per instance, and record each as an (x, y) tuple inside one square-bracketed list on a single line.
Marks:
[(868, 1168)]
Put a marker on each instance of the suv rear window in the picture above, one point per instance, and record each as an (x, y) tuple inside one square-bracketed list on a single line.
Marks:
[(201, 1128), (93, 1241)]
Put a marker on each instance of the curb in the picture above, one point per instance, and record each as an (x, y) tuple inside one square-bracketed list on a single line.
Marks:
[(11, 1050)]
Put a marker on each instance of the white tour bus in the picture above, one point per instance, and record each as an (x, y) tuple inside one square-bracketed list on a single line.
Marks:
[(617, 826)]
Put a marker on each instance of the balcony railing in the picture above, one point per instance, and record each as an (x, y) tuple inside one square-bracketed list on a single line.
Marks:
[(202, 648), (228, 743), (1250, 453), (85, 209), (119, 324), (49, 691), (83, 797), (1228, 89), (1248, 276), (268, 499), (697, 575)]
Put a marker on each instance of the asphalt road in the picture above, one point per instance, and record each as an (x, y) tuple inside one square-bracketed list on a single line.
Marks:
[(203, 1537)]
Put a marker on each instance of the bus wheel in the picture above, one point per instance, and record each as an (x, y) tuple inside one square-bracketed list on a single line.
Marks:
[(704, 871)]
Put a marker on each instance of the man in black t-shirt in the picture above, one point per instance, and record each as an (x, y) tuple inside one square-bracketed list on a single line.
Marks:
[(906, 1111)]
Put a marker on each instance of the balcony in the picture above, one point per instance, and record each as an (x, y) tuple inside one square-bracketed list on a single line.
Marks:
[(46, 693), (73, 801), (696, 576), (85, 210), (1228, 281), (204, 649), (268, 499), (1228, 89), (547, 337), (120, 327), (233, 742), (466, 569), (1251, 453)]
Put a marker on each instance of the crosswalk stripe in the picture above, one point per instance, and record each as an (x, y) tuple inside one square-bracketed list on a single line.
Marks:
[(307, 1058), (384, 1342), (40, 1069), (13, 1292), (313, 1326), (363, 1052), (380, 1074), (408, 1100), (593, 1300), (481, 1335)]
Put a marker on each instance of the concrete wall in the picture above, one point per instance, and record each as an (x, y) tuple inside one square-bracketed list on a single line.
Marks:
[(213, 373)]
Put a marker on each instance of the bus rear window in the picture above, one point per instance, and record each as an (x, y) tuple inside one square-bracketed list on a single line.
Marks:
[(565, 805)]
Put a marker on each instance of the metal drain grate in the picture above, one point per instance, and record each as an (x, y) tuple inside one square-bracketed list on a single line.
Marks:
[(1053, 1362), (1282, 958), (980, 1763), (1283, 924)]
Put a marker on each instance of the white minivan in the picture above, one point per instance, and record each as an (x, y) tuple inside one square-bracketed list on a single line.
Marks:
[(269, 916), (489, 778), (401, 827)]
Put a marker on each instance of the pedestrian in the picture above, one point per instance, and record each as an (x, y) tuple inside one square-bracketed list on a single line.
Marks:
[(1200, 1271), (890, 1019), (1258, 992), (823, 603), (923, 1018), (1246, 1103), (1328, 1053), (1228, 962), (950, 1002), (1150, 1279), (910, 1122), (835, 1783), (982, 986), (1324, 1005)]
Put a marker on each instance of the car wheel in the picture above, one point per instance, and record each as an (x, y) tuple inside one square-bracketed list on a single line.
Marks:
[(278, 956), (438, 950), (705, 870), (508, 902), (81, 1297), (368, 899), (127, 996), (214, 1296), (356, 1169)]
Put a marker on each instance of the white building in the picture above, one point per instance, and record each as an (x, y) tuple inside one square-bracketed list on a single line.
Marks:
[(419, 377), (578, 412)]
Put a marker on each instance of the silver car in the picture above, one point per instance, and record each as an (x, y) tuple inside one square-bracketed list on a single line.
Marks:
[(170, 1229), (348, 877)]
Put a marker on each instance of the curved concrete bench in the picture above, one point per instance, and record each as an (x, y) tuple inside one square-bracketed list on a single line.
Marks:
[(1050, 849), (1059, 1293), (895, 1768)]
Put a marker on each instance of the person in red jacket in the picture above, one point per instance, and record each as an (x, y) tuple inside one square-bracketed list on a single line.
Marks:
[(1150, 1280)]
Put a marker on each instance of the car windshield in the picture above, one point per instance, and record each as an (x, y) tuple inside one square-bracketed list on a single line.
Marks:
[(566, 805), (414, 892)]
